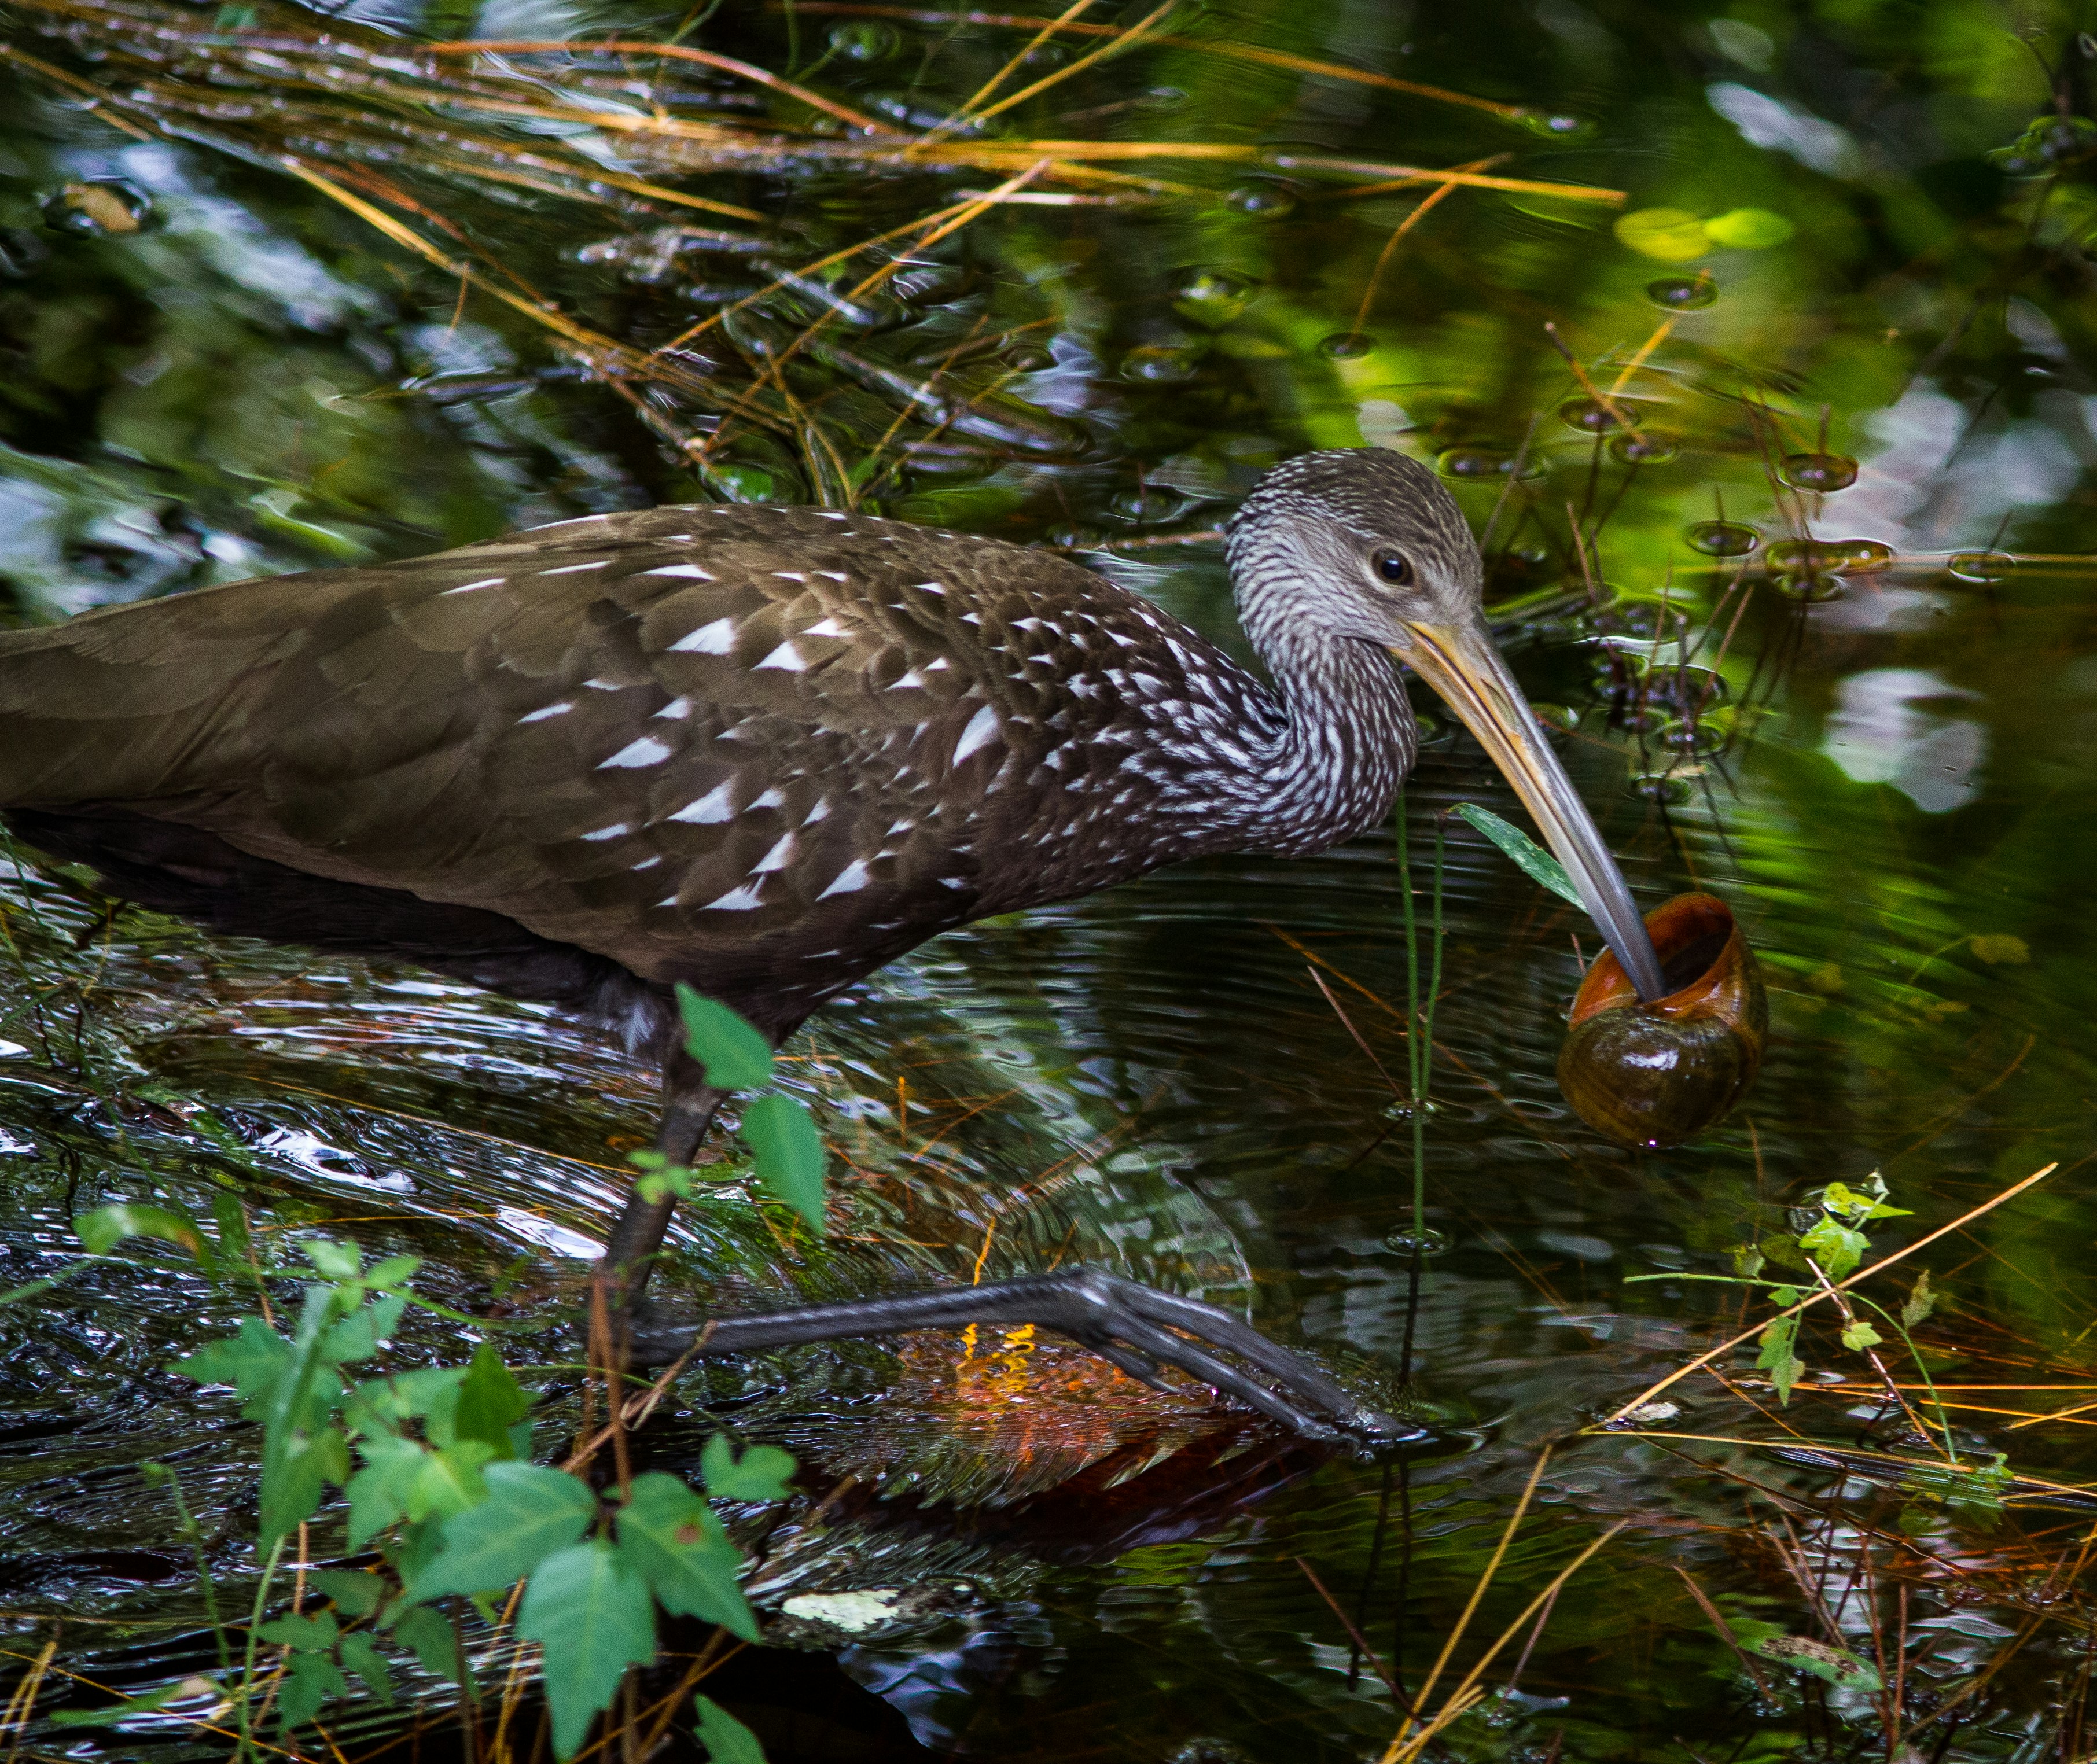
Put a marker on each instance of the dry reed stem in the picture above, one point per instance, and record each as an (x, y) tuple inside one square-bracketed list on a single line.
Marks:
[(1420, 213), (1484, 1580), (620, 46), (1248, 52), (1012, 66), (1402, 1750), (1726, 1346), (1121, 40)]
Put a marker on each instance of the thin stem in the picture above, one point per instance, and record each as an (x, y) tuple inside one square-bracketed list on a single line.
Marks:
[(254, 1635)]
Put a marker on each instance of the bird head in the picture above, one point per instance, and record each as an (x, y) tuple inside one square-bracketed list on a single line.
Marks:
[(1367, 546)]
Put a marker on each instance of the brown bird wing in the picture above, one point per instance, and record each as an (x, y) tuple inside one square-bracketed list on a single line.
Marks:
[(761, 750)]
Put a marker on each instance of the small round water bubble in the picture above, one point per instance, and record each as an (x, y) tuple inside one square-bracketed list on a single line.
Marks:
[(1682, 294), (105, 207), (1267, 202), (1075, 538), (1555, 125), (1662, 787), (864, 40), (1562, 718), (1474, 464), (1982, 565), (1811, 588), (1406, 1241), (1213, 296), (1027, 358), (1160, 97), (1346, 346), (1146, 504), (1161, 363), (1818, 471), (1723, 539), (1590, 416), (1645, 447)]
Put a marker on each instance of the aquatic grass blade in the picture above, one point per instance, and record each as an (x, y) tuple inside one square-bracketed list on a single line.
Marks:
[(1528, 856)]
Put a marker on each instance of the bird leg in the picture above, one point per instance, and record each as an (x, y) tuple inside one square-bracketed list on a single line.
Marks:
[(636, 1235), (1137, 1328)]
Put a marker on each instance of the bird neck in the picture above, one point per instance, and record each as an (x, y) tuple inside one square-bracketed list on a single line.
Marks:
[(1334, 739)]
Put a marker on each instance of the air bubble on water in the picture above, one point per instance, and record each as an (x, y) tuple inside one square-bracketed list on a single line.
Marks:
[(1723, 539), (1027, 358), (1682, 294), (1555, 125), (864, 40), (1267, 202), (1473, 463), (1346, 346), (1818, 471), (1211, 296), (1828, 557), (1406, 1241), (1076, 539), (1146, 504), (1662, 787), (1159, 362), (1644, 448), (1590, 416), (1160, 97), (1982, 565), (1812, 588), (101, 208)]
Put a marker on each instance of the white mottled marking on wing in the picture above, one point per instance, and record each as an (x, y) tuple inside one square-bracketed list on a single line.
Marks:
[(570, 569), (780, 854), (543, 712), (492, 581), (770, 798), (611, 832), (826, 627), (690, 569), (715, 639), (786, 656), (851, 880), (717, 804), (981, 730), (647, 752), (737, 899)]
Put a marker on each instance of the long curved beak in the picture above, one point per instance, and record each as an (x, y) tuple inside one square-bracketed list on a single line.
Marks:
[(1460, 662)]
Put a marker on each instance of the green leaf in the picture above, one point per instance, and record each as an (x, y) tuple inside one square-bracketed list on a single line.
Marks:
[(309, 1680), (726, 1739), (596, 1613), (251, 1363), (297, 1474), (307, 1634), (1777, 1358), (736, 1055), (102, 1230), (379, 1405), (361, 1654), (378, 1493), (1835, 1246), (1839, 1198), (332, 1261), (1919, 1303), (488, 1401), (1860, 1335), (530, 1512), (146, 1705), (1998, 947), (789, 1154), (761, 1473), (427, 1634), (670, 1537), (384, 1277), (1837, 1665), (354, 1594), (1529, 857)]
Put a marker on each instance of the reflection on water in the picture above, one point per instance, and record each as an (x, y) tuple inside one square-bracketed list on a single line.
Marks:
[(215, 372)]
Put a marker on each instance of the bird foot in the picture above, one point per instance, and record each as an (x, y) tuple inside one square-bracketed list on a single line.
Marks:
[(1136, 1327)]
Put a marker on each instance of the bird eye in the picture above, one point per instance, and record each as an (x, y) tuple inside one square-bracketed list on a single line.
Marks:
[(1392, 566)]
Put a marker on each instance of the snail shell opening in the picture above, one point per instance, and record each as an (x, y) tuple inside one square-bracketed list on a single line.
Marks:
[(1655, 1074)]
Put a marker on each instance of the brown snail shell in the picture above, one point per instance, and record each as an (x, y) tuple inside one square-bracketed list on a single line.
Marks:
[(1655, 1074)]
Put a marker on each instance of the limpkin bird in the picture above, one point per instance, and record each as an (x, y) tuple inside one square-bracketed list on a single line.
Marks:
[(764, 751)]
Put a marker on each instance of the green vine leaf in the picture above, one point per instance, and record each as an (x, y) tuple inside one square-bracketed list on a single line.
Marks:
[(726, 1739), (670, 1537), (596, 1612), (760, 1474), (530, 1512), (789, 1154), (735, 1053)]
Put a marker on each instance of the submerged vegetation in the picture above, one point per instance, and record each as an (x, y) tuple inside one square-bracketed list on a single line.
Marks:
[(1758, 342)]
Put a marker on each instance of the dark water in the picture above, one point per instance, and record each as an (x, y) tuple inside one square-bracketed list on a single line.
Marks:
[(229, 372)]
